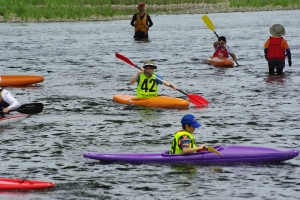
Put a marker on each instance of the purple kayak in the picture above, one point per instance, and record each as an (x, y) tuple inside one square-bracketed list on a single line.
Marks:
[(230, 155)]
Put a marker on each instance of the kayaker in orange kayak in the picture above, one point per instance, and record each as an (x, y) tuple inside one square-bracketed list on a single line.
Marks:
[(183, 142), (275, 48), (141, 22), (7, 101), (147, 85), (221, 50)]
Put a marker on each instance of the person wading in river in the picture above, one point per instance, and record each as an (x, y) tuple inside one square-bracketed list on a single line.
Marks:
[(142, 22), (275, 48)]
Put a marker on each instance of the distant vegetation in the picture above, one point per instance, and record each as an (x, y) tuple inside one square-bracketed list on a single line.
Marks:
[(85, 9)]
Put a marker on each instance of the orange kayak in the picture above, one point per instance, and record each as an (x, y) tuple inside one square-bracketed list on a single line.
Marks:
[(159, 101), (220, 62), (22, 184), (19, 80)]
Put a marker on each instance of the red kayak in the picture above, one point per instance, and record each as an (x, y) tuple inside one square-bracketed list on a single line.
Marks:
[(23, 184)]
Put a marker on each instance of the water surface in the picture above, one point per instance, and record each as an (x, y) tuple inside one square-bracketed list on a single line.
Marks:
[(77, 60)]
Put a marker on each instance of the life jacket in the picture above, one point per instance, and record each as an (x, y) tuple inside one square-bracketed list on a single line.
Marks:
[(221, 52), (140, 23), (147, 87), (275, 51), (175, 149)]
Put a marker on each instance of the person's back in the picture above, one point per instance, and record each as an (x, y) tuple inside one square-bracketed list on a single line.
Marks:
[(275, 48)]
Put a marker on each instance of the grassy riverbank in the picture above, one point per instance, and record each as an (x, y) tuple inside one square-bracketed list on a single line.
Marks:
[(87, 10)]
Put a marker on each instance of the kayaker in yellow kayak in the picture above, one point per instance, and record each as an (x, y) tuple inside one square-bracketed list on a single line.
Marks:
[(147, 81), (221, 50), (183, 142)]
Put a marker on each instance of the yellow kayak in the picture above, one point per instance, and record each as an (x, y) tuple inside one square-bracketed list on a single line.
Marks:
[(159, 101), (220, 62)]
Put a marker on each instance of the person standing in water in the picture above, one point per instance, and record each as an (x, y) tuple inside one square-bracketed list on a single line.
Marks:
[(142, 22), (275, 48)]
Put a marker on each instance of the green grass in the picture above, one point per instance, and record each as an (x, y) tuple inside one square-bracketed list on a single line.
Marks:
[(263, 3), (84, 9)]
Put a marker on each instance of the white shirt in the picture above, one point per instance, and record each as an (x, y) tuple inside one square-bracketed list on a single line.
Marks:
[(8, 98)]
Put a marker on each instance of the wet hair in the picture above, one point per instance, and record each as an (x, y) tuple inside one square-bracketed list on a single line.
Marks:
[(222, 38)]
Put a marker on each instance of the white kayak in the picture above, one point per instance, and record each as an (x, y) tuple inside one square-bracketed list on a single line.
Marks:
[(12, 118)]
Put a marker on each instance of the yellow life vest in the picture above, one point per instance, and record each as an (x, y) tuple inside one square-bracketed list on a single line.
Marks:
[(147, 87), (140, 23), (175, 149)]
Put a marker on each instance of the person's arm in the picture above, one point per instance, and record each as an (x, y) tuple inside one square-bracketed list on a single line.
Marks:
[(8, 98), (231, 53), (133, 20), (289, 55), (233, 56), (266, 52), (160, 80), (192, 150), (135, 77), (216, 44), (150, 23)]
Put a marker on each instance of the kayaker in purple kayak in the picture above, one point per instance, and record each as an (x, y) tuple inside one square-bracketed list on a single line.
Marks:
[(183, 142), (7, 101)]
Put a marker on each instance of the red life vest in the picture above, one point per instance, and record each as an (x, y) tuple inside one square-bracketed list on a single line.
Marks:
[(275, 51), (221, 53)]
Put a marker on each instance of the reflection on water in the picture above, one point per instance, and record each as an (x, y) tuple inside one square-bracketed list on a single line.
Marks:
[(276, 79)]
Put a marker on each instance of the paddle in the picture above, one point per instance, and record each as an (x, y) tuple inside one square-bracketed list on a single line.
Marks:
[(30, 108), (194, 98), (211, 149), (210, 25)]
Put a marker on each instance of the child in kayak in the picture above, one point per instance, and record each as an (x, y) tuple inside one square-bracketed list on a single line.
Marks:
[(221, 50), (7, 101), (275, 48), (183, 142), (147, 81)]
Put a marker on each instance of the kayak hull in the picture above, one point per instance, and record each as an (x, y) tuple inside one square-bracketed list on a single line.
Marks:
[(22, 184), (12, 118), (159, 101), (230, 155), (220, 62), (19, 80)]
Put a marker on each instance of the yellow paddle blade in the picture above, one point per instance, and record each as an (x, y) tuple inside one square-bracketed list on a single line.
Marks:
[(208, 22), (211, 149)]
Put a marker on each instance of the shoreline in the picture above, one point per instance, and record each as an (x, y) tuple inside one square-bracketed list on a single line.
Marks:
[(203, 8)]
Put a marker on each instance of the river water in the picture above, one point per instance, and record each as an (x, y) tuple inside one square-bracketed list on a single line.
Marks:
[(77, 60)]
